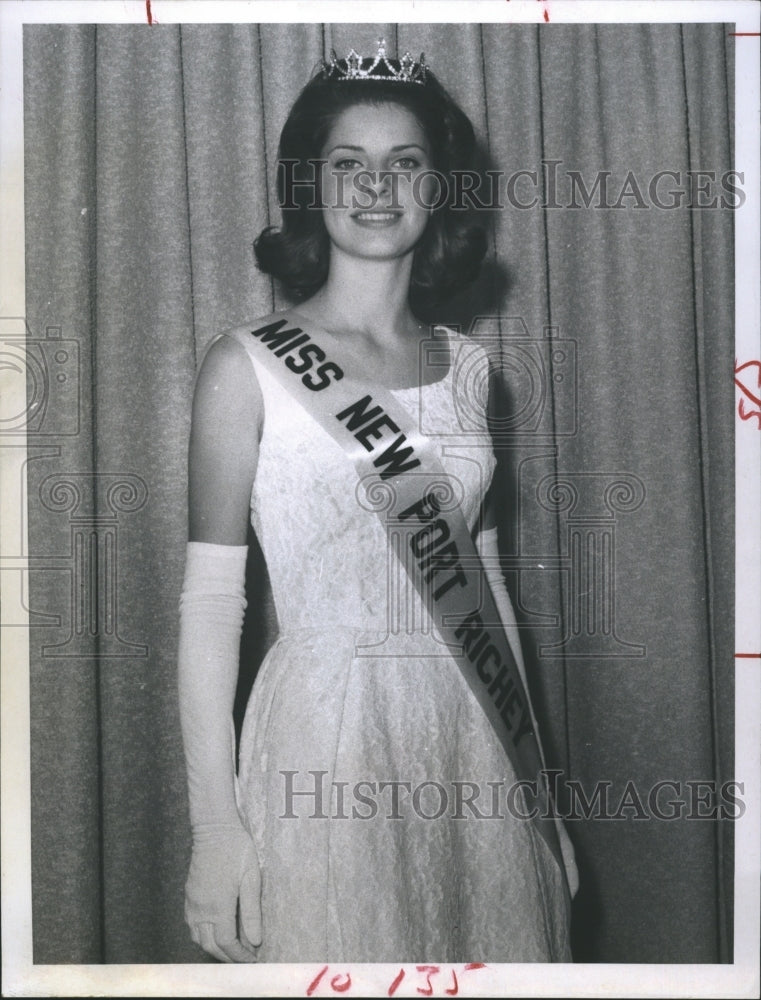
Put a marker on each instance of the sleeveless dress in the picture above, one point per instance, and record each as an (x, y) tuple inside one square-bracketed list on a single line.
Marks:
[(369, 777)]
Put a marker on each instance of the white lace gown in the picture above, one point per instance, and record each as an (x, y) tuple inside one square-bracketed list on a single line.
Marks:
[(358, 701)]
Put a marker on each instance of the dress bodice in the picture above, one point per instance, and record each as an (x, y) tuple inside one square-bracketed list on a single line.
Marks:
[(327, 555)]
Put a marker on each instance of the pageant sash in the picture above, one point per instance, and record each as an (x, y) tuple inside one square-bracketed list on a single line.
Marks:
[(411, 492)]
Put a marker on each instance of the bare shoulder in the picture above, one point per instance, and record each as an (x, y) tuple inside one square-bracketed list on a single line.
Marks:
[(226, 427), (225, 352), (223, 356), (226, 380)]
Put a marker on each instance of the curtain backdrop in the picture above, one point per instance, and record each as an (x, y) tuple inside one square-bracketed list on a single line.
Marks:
[(150, 160)]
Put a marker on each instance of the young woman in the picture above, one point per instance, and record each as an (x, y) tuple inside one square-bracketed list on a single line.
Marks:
[(363, 823)]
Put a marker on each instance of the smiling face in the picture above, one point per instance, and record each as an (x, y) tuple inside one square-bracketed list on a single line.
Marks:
[(374, 187)]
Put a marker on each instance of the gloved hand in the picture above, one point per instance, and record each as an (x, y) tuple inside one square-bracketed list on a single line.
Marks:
[(224, 880), (224, 868)]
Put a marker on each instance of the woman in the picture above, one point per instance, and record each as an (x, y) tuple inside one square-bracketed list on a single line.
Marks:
[(329, 844)]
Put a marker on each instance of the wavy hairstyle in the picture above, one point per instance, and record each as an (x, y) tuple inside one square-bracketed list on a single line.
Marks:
[(448, 255)]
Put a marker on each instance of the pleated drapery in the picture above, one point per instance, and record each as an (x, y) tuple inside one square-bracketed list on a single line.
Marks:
[(150, 162)]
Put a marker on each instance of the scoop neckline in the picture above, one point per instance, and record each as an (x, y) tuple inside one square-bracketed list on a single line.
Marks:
[(407, 388)]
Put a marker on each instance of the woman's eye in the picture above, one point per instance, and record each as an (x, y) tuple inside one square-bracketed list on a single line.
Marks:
[(407, 163), (347, 163)]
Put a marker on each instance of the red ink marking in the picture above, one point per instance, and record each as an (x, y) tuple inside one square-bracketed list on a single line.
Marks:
[(545, 12), (743, 413), (338, 986), (316, 981), (395, 985), (453, 991), (745, 34), (151, 18), (474, 965), (429, 971), (740, 385), (747, 414), (748, 656)]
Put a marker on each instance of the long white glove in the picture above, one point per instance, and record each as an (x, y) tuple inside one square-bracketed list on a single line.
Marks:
[(224, 868), (488, 549)]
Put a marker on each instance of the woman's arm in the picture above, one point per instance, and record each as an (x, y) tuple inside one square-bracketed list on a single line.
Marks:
[(228, 414), (226, 421)]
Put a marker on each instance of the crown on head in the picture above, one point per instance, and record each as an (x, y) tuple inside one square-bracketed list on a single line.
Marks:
[(377, 67)]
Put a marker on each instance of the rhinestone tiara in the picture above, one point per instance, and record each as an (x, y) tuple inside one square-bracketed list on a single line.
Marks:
[(377, 67)]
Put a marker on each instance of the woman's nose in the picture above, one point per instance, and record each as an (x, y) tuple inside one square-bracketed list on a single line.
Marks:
[(381, 183), (381, 180)]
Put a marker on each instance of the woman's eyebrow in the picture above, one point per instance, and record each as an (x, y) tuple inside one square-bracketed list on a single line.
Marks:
[(361, 149)]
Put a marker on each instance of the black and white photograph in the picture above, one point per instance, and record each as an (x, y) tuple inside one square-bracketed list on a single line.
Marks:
[(381, 456)]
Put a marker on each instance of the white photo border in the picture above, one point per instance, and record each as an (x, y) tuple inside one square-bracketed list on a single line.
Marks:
[(740, 979)]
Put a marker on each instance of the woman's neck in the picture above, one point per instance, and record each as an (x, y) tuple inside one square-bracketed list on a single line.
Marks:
[(365, 297)]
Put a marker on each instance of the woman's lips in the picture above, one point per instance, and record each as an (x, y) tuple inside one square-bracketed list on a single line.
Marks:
[(377, 219)]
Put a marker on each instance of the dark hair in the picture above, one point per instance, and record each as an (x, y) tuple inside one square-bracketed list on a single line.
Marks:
[(450, 252)]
